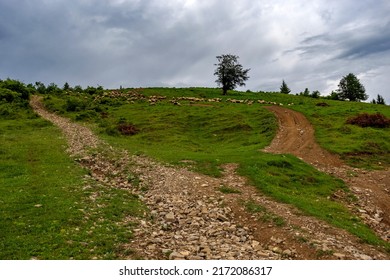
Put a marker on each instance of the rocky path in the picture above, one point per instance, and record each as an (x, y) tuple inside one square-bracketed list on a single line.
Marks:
[(190, 218)]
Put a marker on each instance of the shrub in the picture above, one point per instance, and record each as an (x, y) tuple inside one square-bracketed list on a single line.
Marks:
[(8, 95), (22, 91), (127, 129), (322, 104), (86, 115), (53, 89), (6, 112), (92, 90), (75, 105), (370, 120)]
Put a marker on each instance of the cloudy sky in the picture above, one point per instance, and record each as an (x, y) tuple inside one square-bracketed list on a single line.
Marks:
[(141, 43)]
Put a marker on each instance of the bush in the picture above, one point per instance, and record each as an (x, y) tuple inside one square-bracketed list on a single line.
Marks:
[(366, 120), (92, 90), (6, 112), (8, 95), (75, 105), (322, 104), (52, 88), (22, 91), (127, 129), (16, 86), (86, 115)]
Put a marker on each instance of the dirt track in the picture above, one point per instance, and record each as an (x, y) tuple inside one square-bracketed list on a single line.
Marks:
[(192, 219), (296, 136)]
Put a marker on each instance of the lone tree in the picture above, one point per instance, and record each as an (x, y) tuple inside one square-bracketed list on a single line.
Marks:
[(230, 73), (350, 88), (284, 88)]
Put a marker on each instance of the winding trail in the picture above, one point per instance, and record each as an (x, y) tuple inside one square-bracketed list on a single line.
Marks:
[(190, 218), (296, 136)]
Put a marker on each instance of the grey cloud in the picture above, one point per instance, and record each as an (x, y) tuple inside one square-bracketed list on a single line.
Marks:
[(151, 42), (349, 44), (374, 43)]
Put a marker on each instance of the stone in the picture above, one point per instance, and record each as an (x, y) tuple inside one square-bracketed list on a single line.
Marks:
[(222, 218), (176, 256), (277, 250), (287, 253), (185, 253), (364, 257), (339, 256), (170, 217)]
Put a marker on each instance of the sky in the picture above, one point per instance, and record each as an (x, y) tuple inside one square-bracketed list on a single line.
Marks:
[(174, 43)]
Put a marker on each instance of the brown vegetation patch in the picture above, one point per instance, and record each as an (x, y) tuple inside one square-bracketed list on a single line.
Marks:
[(127, 129), (322, 104), (370, 120)]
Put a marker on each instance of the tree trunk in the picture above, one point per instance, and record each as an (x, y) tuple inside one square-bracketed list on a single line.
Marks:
[(224, 91)]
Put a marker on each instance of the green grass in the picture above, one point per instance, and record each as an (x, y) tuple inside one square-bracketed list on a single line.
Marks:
[(205, 137), (265, 215), (361, 147), (306, 188), (228, 190), (47, 209)]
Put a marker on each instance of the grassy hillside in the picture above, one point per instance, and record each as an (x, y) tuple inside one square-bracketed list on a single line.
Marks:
[(202, 134), (46, 205), (45, 217), (361, 147)]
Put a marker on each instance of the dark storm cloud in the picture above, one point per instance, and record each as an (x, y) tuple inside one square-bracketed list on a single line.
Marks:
[(350, 44), (175, 42), (375, 43)]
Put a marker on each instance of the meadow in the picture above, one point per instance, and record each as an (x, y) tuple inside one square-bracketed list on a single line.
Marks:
[(46, 206), (203, 136), (49, 208)]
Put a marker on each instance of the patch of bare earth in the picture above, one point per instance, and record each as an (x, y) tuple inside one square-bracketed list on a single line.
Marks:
[(190, 218)]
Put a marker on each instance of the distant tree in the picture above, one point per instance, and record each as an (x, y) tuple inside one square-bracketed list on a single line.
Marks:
[(351, 89), (334, 95), (306, 92), (380, 100), (53, 88), (284, 88), (93, 90), (78, 89), (230, 73), (40, 87), (315, 94), (66, 86)]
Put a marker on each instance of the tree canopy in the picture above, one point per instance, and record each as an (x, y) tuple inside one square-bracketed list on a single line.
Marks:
[(351, 89), (284, 88), (230, 73)]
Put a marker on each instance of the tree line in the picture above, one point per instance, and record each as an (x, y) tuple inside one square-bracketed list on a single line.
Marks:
[(230, 74)]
